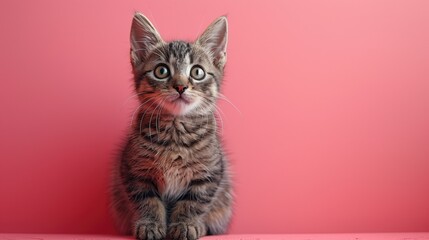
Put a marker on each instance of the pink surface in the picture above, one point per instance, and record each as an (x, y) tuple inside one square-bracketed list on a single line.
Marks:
[(61, 237), (377, 236), (357, 236), (334, 98)]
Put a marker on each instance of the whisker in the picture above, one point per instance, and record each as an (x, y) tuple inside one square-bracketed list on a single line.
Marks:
[(128, 98), (136, 95), (157, 118), (221, 120), (144, 114), (207, 117), (218, 112), (202, 113), (132, 118), (205, 101), (223, 97), (150, 121)]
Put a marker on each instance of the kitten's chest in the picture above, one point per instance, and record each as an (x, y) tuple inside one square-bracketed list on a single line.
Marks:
[(177, 173)]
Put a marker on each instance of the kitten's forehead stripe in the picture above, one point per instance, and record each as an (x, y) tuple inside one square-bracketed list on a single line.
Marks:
[(179, 49), (180, 56)]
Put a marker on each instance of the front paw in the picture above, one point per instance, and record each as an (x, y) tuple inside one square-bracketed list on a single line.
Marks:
[(150, 231), (186, 231)]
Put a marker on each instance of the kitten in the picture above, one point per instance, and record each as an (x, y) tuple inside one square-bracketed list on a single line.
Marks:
[(172, 178)]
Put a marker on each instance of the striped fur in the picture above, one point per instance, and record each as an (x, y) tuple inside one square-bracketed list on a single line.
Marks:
[(172, 178)]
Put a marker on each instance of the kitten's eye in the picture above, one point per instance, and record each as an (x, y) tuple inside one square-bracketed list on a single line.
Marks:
[(161, 71), (198, 73)]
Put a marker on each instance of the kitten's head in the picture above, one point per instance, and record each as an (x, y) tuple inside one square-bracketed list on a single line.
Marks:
[(178, 77)]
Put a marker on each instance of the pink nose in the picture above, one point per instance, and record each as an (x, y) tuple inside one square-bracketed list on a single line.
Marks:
[(180, 88)]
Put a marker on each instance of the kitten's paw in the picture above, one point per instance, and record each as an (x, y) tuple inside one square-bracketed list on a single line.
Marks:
[(150, 231), (186, 231)]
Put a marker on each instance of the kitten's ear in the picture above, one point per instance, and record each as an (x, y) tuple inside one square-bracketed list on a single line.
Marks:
[(214, 40), (144, 38)]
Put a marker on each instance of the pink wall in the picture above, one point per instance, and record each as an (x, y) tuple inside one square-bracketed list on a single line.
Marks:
[(334, 96)]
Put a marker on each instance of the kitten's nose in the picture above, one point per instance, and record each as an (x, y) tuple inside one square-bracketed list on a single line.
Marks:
[(180, 88)]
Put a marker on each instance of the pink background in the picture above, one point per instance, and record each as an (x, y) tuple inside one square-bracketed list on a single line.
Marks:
[(333, 134)]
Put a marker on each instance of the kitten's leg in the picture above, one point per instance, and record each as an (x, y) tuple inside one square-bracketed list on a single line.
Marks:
[(150, 223), (187, 216), (218, 218), (120, 208)]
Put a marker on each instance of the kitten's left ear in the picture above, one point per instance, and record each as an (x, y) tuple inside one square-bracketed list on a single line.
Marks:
[(214, 40), (143, 38)]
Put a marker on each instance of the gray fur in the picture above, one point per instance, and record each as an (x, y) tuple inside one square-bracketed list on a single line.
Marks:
[(172, 179)]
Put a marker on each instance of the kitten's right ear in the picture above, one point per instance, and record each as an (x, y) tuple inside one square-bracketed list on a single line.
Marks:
[(214, 39), (144, 38)]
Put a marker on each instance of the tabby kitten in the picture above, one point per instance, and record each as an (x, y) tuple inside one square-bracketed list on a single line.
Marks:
[(172, 178)]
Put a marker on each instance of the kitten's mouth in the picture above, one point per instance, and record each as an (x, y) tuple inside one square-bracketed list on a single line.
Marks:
[(181, 104), (182, 99)]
